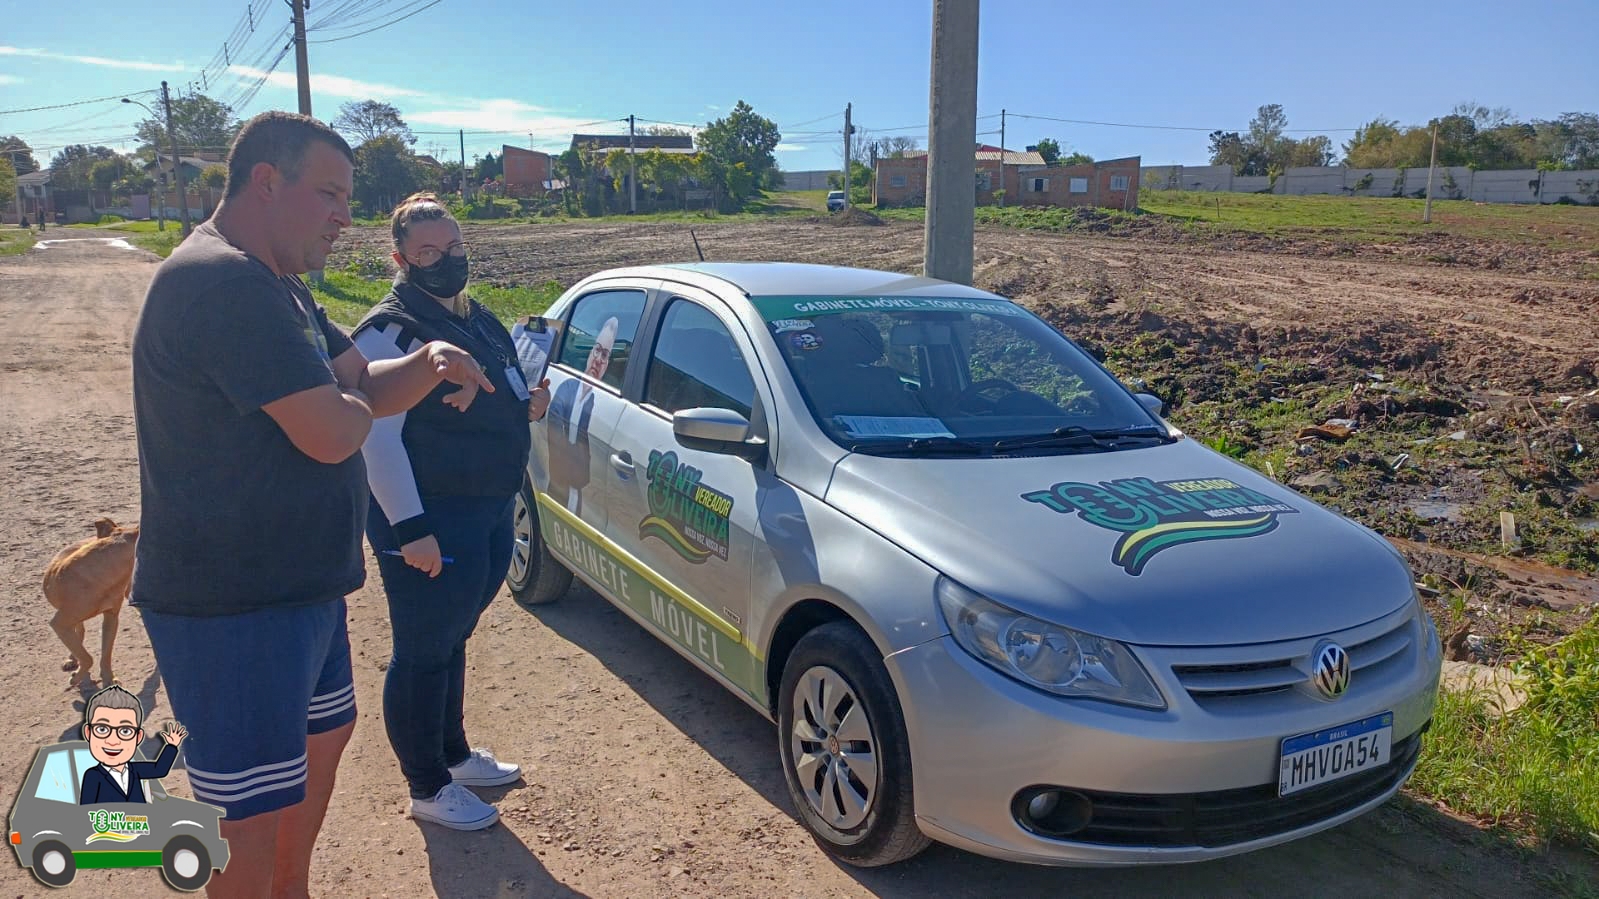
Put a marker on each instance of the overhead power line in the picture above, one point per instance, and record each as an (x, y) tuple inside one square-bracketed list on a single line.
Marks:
[(76, 103), (396, 21)]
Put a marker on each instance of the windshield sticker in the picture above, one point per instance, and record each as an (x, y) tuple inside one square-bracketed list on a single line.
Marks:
[(1156, 515), (787, 308), (686, 515), (891, 426), (805, 340), (792, 324)]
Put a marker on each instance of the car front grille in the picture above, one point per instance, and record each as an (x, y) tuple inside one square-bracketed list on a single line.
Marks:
[(1229, 817), (1222, 680)]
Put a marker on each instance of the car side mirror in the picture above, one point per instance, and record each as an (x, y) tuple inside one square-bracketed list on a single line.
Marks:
[(1152, 403), (717, 431)]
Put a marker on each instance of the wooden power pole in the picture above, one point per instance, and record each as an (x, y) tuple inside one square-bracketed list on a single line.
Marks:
[(301, 65), (177, 164)]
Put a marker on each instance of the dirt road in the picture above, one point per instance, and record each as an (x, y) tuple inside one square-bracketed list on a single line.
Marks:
[(643, 777)]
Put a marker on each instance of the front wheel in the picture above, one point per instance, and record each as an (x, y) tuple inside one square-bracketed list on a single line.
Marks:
[(54, 864), (845, 753), (536, 578), (186, 863)]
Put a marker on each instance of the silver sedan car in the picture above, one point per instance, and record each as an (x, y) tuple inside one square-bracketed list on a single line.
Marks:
[(988, 595)]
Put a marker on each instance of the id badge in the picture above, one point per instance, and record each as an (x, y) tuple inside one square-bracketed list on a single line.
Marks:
[(513, 374)]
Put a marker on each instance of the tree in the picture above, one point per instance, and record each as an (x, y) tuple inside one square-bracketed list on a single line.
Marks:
[(386, 171), (1049, 148), (8, 180), (1373, 145), (199, 122), (16, 151), (69, 168), (361, 121), (1078, 159), (742, 143), (667, 131), (860, 182), (215, 176), (105, 173), (488, 168), (1266, 130), (1311, 151)]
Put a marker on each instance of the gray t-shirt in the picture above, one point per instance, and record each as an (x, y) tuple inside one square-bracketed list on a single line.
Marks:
[(234, 517)]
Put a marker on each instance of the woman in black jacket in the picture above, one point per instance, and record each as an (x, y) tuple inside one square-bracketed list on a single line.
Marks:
[(442, 478)]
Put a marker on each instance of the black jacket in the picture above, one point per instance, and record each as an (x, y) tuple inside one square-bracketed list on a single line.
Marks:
[(482, 451)]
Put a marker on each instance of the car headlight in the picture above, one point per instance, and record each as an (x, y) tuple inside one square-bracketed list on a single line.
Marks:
[(1047, 656)]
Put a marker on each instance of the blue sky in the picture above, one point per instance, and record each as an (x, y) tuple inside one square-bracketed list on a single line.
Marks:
[(547, 69)]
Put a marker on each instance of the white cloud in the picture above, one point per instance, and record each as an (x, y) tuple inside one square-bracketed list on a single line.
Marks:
[(511, 116), (10, 79), (790, 148), (93, 60), (330, 85)]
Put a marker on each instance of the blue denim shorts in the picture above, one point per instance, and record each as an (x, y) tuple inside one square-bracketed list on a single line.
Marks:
[(250, 688)]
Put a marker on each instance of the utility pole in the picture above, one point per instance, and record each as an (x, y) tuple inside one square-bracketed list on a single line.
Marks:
[(1002, 157), (302, 66), (1426, 213), (462, 135), (951, 142), (848, 131), (632, 170), (177, 164), (18, 184)]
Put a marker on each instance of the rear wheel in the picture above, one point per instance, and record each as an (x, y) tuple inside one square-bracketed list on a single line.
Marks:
[(186, 863), (845, 753), (535, 577), (54, 864)]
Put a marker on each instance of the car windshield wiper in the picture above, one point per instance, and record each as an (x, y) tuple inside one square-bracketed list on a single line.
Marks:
[(922, 446), (1077, 436)]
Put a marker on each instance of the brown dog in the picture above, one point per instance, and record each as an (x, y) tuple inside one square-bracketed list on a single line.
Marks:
[(86, 579)]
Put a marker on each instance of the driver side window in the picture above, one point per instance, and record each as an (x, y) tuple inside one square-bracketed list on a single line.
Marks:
[(55, 781), (697, 364)]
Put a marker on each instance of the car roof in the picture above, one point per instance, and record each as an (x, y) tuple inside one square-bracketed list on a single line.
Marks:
[(774, 279)]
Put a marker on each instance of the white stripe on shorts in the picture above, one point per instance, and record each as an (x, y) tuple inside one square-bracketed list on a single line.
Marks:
[(261, 779), (330, 704)]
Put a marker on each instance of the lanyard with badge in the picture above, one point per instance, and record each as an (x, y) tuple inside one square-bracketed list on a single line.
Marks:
[(513, 372)]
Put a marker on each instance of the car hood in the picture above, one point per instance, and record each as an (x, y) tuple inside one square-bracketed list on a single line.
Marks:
[(1170, 545)]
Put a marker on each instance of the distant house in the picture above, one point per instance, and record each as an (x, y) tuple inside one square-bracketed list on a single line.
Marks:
[(1025, 177), (1111, 184), (527, 172), (191, 167), (38, 199)]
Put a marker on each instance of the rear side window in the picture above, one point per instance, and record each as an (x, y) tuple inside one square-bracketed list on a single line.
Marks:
[(697, 364), (599, 334)]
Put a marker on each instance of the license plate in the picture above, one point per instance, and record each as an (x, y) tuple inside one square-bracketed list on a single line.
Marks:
[(1327, 755)]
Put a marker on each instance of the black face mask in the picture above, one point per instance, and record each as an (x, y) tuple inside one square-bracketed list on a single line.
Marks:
[(443, 279)]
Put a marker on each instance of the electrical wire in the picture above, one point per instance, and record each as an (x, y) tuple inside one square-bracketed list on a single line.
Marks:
[(334, 40), (76, 103)]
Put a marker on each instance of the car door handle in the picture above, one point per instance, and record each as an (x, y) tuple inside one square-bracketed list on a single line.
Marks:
[(622, 462)]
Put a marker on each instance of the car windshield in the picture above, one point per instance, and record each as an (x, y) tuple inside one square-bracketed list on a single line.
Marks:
[(948, 375)]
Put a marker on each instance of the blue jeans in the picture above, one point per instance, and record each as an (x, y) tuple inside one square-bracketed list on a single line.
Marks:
[(432, 619)]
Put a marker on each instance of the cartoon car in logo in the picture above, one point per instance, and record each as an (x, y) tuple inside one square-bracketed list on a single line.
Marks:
[(988, 595), (55, 836)]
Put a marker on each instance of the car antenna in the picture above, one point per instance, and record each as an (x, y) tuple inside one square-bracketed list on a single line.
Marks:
[(696, 244)]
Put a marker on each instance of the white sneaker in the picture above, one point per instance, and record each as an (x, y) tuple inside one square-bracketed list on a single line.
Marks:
[(482, 770), (457, 808)]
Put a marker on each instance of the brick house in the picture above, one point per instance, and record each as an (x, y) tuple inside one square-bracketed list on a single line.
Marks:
[(1112, 184), (526, 171), (902, 180)]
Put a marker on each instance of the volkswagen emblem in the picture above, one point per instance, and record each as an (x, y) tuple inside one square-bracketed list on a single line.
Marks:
[(1331, 671)]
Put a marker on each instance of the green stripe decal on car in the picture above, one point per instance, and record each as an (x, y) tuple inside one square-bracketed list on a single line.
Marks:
[(114, 859), (776, 308), (699, 631)]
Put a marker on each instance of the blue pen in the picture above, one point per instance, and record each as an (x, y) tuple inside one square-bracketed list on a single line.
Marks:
[(394, 552)]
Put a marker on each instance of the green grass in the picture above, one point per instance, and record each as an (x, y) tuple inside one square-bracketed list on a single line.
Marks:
[(137, 227), (347, 297), (1534, 768), (15, 241), (1377, 219), (161, 243)]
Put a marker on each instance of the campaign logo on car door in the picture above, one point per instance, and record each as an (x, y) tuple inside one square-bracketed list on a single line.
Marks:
[(685, 514), (1157, 515)]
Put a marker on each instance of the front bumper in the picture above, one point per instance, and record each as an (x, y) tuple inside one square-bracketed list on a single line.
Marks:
[(1188, 783)]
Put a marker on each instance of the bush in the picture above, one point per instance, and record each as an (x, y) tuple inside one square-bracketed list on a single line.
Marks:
[(1562, 682)]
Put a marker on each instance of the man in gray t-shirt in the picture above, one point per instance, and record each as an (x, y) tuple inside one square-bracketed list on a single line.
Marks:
[(251, 408)]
